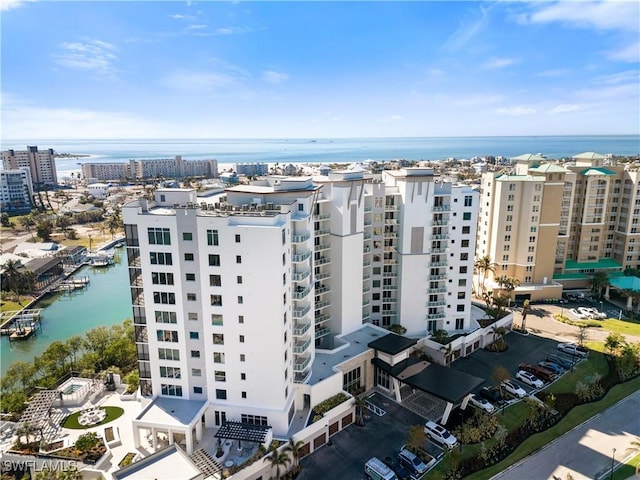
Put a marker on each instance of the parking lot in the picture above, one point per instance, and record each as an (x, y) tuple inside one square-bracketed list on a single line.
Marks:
[(345, 456)]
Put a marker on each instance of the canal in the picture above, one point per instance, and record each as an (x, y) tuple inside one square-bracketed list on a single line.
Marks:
[(105, 301)]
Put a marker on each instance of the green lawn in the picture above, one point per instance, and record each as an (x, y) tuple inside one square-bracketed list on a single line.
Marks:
[(628, 327), (72, 420), (627, 470), (575, 417)]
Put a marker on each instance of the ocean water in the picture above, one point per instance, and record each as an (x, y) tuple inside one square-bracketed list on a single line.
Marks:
[(339, 150)]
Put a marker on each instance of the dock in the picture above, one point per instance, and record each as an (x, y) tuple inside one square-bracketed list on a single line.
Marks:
[(20, 324), (73, 283)]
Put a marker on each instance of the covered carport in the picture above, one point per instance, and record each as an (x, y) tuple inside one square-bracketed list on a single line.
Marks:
[(450, 385)]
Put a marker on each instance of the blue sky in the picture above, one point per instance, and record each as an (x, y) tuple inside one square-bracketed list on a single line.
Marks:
[(166, 69)]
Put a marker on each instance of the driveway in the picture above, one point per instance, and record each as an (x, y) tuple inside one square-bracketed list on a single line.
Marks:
[(586, 452), (349, 450)]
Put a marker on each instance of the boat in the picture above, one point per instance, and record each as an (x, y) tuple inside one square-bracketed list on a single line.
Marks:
[(22, 333), (101, 262)]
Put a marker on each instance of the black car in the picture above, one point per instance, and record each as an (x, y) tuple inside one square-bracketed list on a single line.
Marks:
[(398, 469), (491, 395), (563, 362)]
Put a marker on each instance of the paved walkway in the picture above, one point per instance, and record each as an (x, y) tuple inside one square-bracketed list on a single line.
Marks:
[(586, 452)]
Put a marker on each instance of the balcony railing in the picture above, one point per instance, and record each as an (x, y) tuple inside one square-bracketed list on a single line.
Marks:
[(437, 290), (321, 332), (440, 236), (301, 347), (322, 304), (300, 294), (390, 274), (322, 261), (301, 312), (436, 303), (441, 208), (323, 289), (322, 318), (322, 246), (300, 238), (300, 366), (323, 231), (299, 276), (435, 316), (323, 275), (300, 257), (322, 216), (300, 329)]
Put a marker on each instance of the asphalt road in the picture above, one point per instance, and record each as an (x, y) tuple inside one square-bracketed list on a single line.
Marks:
[(586, 452)]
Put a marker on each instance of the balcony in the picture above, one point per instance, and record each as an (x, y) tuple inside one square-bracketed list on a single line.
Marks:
[(300, 366), (368, 208), (300, 238), (323, 231), (389, 312), (437, 303), (435, 316), (439, 264), (439, 250), (300, 257), (299, 276), (322, 216), (367, 236), (322, 318), (323, 289), (390, 274), (389, 287), (437, 277), (367, 223), (390, 235), (320, 247), (437, 290), (302, 293), (301, 347), (390, 221), (365, 316), (365, 302), (322, 261), (323, 275), (441, 208), (322, 332), (366, 263), (366, 276), (322, 304), (300, 329), (301, 312), (440, 236), (366, 289), (302, 377)]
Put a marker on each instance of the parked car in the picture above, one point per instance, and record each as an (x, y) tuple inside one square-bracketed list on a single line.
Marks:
[(552, 367), (563, 362), (540, 372), (530, 379), (481, 403), (411, 462), (394, 464), (595, 313), (440, 434), (573, 349), (575, 313), (375, 469), (491, 395), (513, 389)]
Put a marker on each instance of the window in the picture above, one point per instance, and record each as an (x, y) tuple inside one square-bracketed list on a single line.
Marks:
[(216, 320), (511, 198), (527, 279), (197, 389), (461, 295), (188, 257), (301, 207), (187, 236), (212, 237), (509, 218), (465, 243), (168, 354), (468, 200), (195, 353), (170, 372), (221, 394), (460, 308), (243, 394), (194, 335), (239, 278), (167, 298), (218, 339), (238, 259), (466, 230), (191, 297), (240, 299), (196, 372), (159, 258), (190, 277), (509, 208), (243, 376), (167, 336), (159, 236), (171, 390), (505, 258), (218, 357), (463, 269), (531, 249), (166, 317), (533, 229), (529, 259), (220, 376), (162, 278), (242, 357), (241, 338), (215, 281), (214, 260), (466, 216), (237, 238), (507, 238), (532, 239), (462, 282), (464, 256), (241, 319), (254, 420), (216, 300)]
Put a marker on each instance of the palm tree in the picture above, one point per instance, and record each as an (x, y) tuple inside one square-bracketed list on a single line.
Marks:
[(13, 276), (27, 222), (635, 448), (360, 404), (483, 266), (509, 284), (278, 459), (296, 450), (599, 280), (27, 429)]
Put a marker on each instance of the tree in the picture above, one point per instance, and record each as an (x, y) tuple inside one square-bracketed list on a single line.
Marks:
[(44, 229), (27, 222), (4, 220), (635, 448), (440, 336), (17, 281), (508, 284), (69, 473), (416, 437), (500, 374), (87, 441), (583, 334), (27, 430), (483, 266), (525, 312), (63, 222), (613, 342), (296, 450), (278, 459), (598, 281), (360, 404)]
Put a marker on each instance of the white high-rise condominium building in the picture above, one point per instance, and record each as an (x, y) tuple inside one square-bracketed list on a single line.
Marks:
[(233, 294), (16, 189), (41, 165)]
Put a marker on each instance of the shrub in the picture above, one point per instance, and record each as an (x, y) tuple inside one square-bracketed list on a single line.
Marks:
[(87, 441), (477, 428), (329, 403)]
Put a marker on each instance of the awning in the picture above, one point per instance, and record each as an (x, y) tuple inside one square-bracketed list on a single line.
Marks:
[(246, 432)]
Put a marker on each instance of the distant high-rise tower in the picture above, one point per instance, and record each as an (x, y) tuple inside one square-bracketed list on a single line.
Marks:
[(41, 164)]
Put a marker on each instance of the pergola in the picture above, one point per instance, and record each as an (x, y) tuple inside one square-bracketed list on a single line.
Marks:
[(39, 410)]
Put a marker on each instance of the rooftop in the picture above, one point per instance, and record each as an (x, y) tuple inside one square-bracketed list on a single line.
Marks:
[(529, 157), (596, 171), (600, 264), (626, 283), (589, 156), (549, 168), (171, 411), (392, 343), (350, 345), (162, 465)]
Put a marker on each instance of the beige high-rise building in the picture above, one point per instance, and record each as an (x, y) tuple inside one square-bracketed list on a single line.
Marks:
[(551, 226), (41, 164)]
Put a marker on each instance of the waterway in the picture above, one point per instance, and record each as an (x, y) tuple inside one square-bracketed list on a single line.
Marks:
[(105, 301)]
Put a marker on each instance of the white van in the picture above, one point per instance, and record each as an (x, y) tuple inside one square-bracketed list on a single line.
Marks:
[(375, 469)]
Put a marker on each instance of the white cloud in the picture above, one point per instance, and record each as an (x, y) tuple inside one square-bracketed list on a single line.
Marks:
[(11, 4), (467, 30), (556, 72), (600, 15), (91, 54), (396, 118), (196, 27), (629, 54), (178, 16), (201, 81), (516, 111), (231, 30), (271, 76), (628, 76), (564, 108), (496, 63)]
